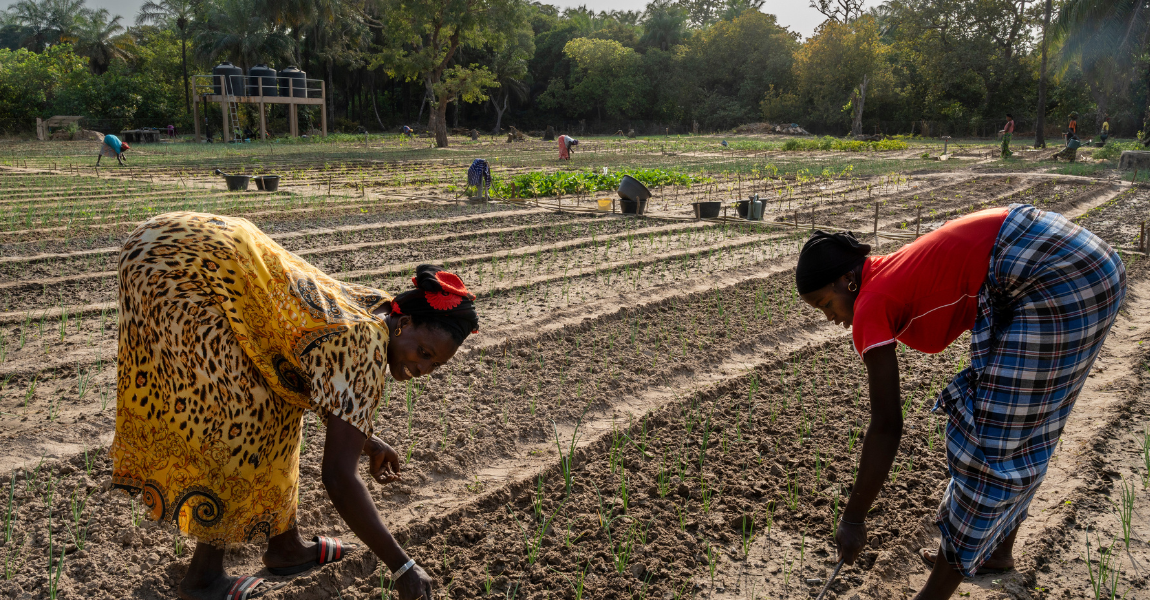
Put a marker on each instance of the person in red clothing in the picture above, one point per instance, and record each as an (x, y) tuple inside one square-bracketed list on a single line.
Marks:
[(1039, 294)]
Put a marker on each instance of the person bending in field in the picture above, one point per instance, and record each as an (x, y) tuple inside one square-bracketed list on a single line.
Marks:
[(112, 147), (1039, 295), (566, 146), (226, 340)]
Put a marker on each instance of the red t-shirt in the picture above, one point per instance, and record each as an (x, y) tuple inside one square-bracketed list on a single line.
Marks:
[(926, 294)]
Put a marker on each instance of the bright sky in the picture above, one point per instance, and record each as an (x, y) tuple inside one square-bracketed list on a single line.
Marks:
[(797, 15)]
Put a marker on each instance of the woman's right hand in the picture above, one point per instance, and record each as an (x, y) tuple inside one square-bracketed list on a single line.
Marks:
[(415, 584), (850, 540)]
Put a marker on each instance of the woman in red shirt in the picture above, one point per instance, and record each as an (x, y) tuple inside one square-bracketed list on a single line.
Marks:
[(1039, 294)]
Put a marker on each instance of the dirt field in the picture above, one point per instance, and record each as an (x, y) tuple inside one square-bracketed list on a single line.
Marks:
[(709, 423)]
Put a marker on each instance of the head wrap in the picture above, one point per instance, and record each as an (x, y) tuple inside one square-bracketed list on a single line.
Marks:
[(124, 146), (439, 297), (826, 257)]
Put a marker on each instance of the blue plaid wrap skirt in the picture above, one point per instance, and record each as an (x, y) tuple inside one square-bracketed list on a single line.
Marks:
[(479, 173), (1052, 292)]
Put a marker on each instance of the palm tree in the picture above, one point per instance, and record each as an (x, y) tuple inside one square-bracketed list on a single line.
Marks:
[(95, 39), (664, 26), (236, 31), (177, 13), (1105, 35), (49, 21)]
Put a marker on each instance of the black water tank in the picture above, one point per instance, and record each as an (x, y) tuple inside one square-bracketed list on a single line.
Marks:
[(268, 75), (231, 76), (296, 79)]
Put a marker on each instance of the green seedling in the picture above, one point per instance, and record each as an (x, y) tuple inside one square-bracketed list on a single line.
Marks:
[(566, 461), (1126, 510), (488, 580), (747, 536), (712, 562), (54, 579), (1146, 456), (709, 496), (78, 528), (1104, 580)]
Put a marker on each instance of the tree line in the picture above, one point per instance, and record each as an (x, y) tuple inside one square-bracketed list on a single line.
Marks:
[(906, 66)]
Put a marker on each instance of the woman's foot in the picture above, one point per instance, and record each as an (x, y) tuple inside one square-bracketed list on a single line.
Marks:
[(994, 565), (237, 588), (288, 550), (288, 554)]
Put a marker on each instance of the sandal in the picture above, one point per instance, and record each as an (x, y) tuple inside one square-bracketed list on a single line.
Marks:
[(244, 588), (922, 553), (328, 550)]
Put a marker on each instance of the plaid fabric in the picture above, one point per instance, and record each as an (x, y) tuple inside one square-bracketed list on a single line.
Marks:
[(1052, 292), (478, 172)]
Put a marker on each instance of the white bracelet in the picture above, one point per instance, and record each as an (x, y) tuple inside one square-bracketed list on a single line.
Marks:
[(400, 571)]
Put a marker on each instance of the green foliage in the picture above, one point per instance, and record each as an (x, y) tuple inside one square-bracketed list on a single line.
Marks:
[(529, 185), (832, 143)]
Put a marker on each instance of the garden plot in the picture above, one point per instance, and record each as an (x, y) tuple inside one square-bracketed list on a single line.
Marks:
[(714, 419)]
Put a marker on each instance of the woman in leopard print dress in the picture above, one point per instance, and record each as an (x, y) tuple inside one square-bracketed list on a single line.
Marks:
[(226, 339)]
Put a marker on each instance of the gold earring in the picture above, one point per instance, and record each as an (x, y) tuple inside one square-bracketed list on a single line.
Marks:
[(852, 286), (398, 331)]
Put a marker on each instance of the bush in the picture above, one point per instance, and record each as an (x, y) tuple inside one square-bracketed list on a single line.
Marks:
[(529, 185), (830, 143)]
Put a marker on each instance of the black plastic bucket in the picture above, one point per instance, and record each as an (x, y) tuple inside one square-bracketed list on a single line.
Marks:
[(267, 183), (743, 207), (237, 183), (632, 207), (707, 210)]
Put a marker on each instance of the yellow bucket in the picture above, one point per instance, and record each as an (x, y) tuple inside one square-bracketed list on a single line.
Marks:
[(604, 204)]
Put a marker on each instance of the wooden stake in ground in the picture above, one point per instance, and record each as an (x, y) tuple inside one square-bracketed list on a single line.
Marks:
[(876, 223), (1142, 237), (918, 224)]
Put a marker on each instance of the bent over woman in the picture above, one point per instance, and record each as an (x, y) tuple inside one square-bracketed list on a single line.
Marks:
[(226, 339), (1039, 295)]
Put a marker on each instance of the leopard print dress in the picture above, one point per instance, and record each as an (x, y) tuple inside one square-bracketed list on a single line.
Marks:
[(226, 339)]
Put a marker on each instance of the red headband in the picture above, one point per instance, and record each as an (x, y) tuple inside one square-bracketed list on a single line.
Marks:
[(453, 292)]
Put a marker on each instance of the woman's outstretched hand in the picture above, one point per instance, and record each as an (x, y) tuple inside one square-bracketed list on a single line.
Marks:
[(383, 461), (414, 585), (850, 540)]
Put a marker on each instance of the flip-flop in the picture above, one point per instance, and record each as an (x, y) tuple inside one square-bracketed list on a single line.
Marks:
[(245, 588), (327, 550), (981, 570)]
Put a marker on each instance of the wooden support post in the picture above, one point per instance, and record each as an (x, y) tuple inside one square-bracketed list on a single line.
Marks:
[(323, 107), (876, 223), (263, 117), (196, 118), (293, 119)]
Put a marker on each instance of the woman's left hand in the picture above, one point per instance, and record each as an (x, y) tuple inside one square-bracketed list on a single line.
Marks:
[(384, 461)]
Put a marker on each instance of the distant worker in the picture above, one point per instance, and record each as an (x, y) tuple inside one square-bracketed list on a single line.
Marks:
[(1105, 130), (409, 132), (112, 147), (1007, 133), (479, 175), (1070, 152), (171, 131), (566, 142)]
